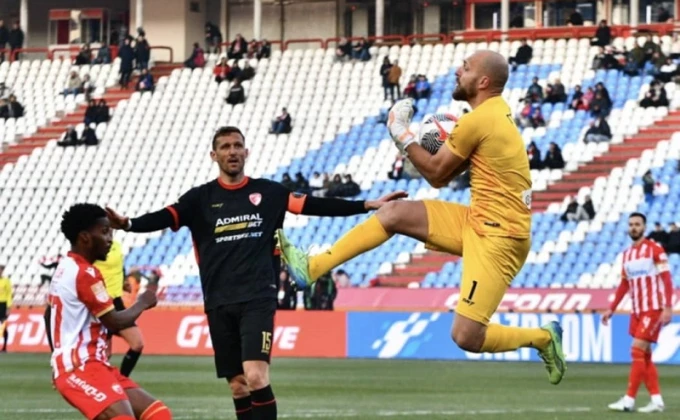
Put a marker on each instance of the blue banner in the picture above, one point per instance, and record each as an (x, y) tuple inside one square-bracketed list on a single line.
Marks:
[(406, 335)]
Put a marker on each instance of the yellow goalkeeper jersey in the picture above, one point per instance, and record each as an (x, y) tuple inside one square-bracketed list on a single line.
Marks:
[(112, 270)]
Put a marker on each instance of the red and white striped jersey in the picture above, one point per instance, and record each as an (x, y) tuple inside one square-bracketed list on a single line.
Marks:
[(78, 298), (642, 267)]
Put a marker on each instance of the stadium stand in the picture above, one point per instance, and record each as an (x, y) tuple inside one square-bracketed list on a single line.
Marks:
[(337, 130)]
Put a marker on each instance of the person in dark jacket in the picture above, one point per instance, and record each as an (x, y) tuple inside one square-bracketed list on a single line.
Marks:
[(282, 123), (11, 108), (287, 182), (89, 138), (301, 184), (234, 73), (553, 157), (92, 112), (384, 73), (659, 235), (534, 156), (127, 56), (237, 95), (247, 73), (599, 131), (142, 53), (69, 138), (603, 35), (213, 38), (648, 183), (145, 82), (321, 294), (84, 56), (197, 58), (264, 50), (523, 56), (238, 48), (16, 38), (673, 240), (4, 39)]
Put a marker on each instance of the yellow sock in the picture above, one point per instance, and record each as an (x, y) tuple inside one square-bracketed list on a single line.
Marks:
[(500, 338), (363, 237)]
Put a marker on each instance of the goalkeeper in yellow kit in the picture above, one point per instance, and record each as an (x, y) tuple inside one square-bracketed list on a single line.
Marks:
[(493, 234)]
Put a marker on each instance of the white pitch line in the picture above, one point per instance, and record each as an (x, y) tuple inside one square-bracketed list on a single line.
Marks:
[(200, 413)]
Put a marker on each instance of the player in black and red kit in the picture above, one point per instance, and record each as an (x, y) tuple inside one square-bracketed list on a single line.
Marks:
[(232, 221)]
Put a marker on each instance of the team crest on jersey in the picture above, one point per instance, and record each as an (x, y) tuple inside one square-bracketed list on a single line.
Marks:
[(90, 271), (117, 389), (255, 198), (99, 291)]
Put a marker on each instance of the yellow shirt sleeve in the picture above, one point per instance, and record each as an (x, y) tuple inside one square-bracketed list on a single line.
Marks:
[(465, 136)]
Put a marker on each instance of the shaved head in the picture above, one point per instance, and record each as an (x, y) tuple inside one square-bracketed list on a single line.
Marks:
[(484, 73)]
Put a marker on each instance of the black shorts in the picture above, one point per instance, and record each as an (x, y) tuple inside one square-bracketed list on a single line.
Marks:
[(241, 332), (3, 311)]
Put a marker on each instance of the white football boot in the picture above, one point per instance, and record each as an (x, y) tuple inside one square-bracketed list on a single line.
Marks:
[(625, 404), (652, 407)]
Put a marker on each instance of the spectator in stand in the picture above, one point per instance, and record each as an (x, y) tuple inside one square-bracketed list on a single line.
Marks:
[(84, 56), (537, 119), (282, 123), (667, 71), (576, 102), (234, 72), (252, 49), (517, 21), (11, 108), (74, 84), (16, 39), (423, 88), (534, 156), (238, 48), (648, 184), (316, 185), (247, 73), (264, 50), (659, 235), (221, 70), (570, 212), (384, 75), (535, 91), (555, 93), (603, 35), (575, 19), (197, 58), (343, 188), (145, 82), (637, 54), (631, 67), (663, 15), (600, 106), (4, 39), (103, 55), (344, 49), (609, 60), (301, 184), (397, 171), (410, 89), (69, 138), (341, 279), (361, 50), (287, 296), (656, 96), (673, 240), (553, 157), (287, 182), (142, 52), (102, 112), (393, 79), (650, 47), (92, 112), (88, 86), (89, 137), (523, 55), (213, 38), (598, 59), (321, 294), (237, 95), (576, 212), (127, 56), (598, 132)]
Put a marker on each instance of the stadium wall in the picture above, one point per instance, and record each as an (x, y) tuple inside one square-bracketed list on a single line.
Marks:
[(374, 335)]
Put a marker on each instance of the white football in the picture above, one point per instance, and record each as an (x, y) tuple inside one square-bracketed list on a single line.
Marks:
[(434, 130)]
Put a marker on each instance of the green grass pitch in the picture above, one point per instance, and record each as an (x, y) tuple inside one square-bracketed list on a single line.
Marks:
[(359, 389)]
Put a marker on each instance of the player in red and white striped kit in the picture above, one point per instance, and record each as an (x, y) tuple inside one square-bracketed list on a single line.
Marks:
[(646, 276), (79, 316)]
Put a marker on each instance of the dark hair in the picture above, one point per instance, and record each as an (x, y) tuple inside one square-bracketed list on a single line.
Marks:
[(225, 131), (78, 218), (640, 215)]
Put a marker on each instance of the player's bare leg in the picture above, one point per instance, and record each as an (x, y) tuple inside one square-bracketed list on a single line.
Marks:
[(642, 370), (134, 339), (120, 410), (241, 395), (261, 394), (404, 217), (146, 407)]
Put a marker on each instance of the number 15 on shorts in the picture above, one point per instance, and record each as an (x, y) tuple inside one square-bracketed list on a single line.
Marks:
[(266, 342)]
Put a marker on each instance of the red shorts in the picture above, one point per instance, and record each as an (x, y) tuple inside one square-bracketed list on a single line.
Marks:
[(645, 326), (93, 387)]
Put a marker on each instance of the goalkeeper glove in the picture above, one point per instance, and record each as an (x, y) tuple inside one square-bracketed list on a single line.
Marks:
[(398, 123)]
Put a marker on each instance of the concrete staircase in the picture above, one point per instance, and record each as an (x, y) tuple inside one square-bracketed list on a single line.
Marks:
[(617, 156), (55, 129)]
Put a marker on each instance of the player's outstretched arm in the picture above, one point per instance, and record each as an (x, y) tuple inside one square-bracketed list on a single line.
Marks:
[(48, 326), (621, 291), (333, 207), (438, 169), (116, 321), (150, 222)]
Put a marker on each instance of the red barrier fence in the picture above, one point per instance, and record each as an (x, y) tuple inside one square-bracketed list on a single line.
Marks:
[(296, 334)]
